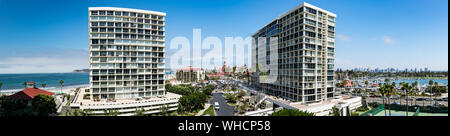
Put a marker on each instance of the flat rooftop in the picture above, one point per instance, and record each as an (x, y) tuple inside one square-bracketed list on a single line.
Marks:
[(79, 101)]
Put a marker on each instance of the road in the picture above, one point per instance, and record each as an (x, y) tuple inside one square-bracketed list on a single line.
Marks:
[(225, 109)]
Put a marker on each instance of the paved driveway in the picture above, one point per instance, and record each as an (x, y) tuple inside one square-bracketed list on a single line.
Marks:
[(225, 109)]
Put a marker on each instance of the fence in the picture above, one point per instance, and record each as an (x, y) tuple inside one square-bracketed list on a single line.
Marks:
[(373, 111)]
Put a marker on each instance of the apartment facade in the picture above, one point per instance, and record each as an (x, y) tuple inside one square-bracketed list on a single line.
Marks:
[(190, 74), (126, 53), (302, 59)]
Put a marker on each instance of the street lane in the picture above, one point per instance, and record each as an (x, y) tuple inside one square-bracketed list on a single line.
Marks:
[(225, 109)]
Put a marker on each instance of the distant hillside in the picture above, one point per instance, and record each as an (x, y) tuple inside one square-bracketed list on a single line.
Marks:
[(81, 71)]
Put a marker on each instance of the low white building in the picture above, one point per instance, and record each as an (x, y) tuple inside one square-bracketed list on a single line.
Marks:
[(126, 107), (325, 108)]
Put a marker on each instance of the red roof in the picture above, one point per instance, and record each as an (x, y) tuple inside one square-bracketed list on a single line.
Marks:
[(347, 83), (31, 82), (190, 68), (29, 93)]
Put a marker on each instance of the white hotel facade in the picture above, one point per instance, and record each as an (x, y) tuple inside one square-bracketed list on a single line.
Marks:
[(127, 52), (304, 65)]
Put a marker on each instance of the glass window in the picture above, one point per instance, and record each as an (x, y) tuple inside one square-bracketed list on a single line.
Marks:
[(102, 18), (94, 18), (110, 18), (94, 12), (133, 14), (102, 23), (118, 13)]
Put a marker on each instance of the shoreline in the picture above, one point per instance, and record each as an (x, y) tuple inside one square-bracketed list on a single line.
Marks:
[(50, 89)]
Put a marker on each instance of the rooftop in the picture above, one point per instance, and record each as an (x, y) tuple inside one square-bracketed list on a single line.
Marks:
[(128, 9), (29, 93)]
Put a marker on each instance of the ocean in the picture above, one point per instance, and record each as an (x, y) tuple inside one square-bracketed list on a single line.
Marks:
[(423, 81), (14, 82)]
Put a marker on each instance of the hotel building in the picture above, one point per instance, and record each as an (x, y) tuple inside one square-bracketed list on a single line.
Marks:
[(126, 53), (190, 74), (305, 61)]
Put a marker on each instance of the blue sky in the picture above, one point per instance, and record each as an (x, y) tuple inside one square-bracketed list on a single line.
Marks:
[(52, 35)]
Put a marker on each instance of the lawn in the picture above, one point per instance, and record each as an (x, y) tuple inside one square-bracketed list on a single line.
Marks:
[(209, 111)]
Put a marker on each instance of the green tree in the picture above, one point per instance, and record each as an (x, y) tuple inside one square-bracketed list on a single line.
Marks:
[(43, 105), (335, 112), (430, 85), (1, 84), (436, 84), (414, 90), (384, 89), (367, 84), (85, 112), (61, 82), (139, 112), (407, 88), (111, 112), (24, 84), (208, 89), (44, 85), (291, 112), (164, 110)]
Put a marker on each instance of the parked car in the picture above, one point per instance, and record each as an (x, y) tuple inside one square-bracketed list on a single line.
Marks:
[(437, 104), (395, 103), (420, 99)]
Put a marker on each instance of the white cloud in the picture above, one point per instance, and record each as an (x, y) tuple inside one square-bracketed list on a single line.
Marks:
[(343, 37), (388, 40)]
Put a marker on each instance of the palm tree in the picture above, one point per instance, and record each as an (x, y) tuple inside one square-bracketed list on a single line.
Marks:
[(164, 110), (61, 82), (24, 84), (430, 84), (44, 85), (407, 88), (436, 84), (1, 84), (367, 84), (414, 85), (394, 89), (423, 100), (390, 92), (140, 112), (383, 90)]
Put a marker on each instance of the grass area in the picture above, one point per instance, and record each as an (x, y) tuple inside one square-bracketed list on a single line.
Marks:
[(187, 114), (209, 111)]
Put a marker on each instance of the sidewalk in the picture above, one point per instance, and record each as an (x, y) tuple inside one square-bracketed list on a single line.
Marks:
[(203, 110)]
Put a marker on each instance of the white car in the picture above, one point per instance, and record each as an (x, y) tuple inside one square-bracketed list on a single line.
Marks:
[(216, 105)]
